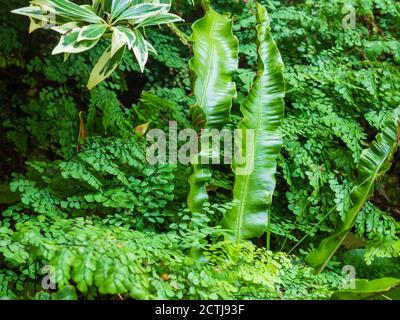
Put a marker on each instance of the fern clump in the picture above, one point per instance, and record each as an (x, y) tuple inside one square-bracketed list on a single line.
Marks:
[(100, 260), (108, 178)]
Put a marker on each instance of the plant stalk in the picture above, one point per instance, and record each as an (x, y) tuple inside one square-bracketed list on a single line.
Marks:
[(181, 35)]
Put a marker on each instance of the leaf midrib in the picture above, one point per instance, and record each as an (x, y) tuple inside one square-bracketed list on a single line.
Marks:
[(359, 207), (245, 187), (209, 63)]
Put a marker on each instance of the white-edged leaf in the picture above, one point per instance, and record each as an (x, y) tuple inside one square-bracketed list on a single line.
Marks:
[(119, 39), (130, 35), (88, 7), (66, 27), (151, 48), (92, 32), (36, 12), (34, 25), (119, 6), (31, 11), (140, 50), (97, 5), (140, 11), (66, 56), (69, 43), (68, 9), (105, 66), (158, 19)]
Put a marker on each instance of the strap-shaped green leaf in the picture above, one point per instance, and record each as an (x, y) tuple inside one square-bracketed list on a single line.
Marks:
[(198, 181), (374, 163), (215, 60), (365, 289), (263, 111)]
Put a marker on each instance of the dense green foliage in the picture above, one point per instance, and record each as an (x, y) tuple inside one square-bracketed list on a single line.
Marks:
[(77, 194)]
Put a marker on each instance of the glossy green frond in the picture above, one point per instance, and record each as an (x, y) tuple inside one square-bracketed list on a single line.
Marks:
[(263, 111), (374, 163), (365, 289), (215, 61)]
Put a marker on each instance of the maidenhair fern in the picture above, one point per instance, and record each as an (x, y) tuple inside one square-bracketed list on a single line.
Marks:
[(105, 177), (102, 260)]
